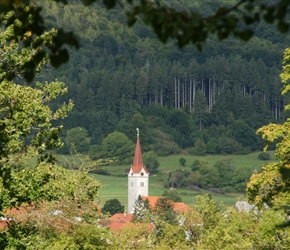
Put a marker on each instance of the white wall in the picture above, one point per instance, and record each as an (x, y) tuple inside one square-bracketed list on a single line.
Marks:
[(137, 185)]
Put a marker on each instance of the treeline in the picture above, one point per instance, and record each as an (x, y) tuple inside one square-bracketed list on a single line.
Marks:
[(122, 78), (222, 177)]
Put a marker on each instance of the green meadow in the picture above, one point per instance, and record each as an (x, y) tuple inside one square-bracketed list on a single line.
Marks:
[(115, 186)]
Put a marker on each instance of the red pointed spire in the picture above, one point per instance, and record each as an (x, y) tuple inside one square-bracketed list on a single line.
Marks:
[(138, 162)]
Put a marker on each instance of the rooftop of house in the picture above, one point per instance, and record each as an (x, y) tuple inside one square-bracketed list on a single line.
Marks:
[(57, 215), (179, 207), (123, 220)]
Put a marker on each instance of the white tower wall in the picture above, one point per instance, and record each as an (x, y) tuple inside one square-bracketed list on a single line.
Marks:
[(137, 185)]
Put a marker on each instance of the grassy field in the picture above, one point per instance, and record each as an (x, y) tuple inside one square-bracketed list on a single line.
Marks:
[(116, 187), (171, 163)]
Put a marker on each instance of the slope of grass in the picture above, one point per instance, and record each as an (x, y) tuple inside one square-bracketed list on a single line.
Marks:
[(116, 187), (171, 162)]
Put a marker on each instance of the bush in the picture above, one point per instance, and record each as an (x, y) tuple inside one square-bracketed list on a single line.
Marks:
[(264, 156), (113, 206), (94, 151), (182, 161), (172, 195)]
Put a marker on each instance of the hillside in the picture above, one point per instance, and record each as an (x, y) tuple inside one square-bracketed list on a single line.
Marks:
[(122, 78)]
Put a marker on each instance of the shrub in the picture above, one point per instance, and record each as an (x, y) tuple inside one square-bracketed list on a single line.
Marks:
[(182, 161), (113, 206), (264, 156), (172, 195)]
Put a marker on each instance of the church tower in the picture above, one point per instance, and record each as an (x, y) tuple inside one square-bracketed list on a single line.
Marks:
[(138, 178)]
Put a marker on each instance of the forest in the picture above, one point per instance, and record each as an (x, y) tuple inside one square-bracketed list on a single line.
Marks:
[(192, 106), (121, 78)]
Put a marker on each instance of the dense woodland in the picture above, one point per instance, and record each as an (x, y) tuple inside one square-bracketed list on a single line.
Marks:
[(46, 206), (122, 78)]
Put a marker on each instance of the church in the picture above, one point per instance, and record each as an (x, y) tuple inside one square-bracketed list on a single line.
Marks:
[(138, 178), (138, 183)]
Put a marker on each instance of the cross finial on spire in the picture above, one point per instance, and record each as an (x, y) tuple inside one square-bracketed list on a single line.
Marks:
[(137, 129)]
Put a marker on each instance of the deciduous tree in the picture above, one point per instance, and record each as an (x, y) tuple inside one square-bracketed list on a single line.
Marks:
[(272, 185), (113, 206)]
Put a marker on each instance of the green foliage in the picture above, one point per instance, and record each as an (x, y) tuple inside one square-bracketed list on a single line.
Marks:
[(117, 145), (182, 161), (78, 139), (30, 128), (47, 182), (264, 156), (107, 92), (209, 210), (244, 134), (80, 236), (28, 122), (127, 57), (199, 148), (26, 34), (164, 209), (212, 146), (241, 230), (176, 178), (225, 170), (197, 164), (228, 145), (25, 114), (151, 162), (271, 186), (112, 207), (163, 143), (172, 195), (221, 177), (142, 211), (94, 150)]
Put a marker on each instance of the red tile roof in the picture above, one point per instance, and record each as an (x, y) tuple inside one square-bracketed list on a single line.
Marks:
[(49, 213), (122, 217), (179, 207), (122, 220), (152, 200)]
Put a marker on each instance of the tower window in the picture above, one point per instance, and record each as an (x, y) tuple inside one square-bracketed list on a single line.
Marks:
[(132, 184), (142, 174), (142, 184)]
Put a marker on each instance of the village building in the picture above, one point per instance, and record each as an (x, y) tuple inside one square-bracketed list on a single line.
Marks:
[(138, 183), (138, 178)]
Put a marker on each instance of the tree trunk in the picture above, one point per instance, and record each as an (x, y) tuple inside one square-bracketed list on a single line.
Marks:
[(175, 93), (178, 94), (190, 94), (193, 94), (209, 96), (161, 96)]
